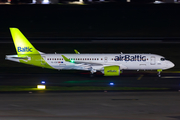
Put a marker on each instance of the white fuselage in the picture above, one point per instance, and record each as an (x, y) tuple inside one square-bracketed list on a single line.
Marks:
[(98, 61)]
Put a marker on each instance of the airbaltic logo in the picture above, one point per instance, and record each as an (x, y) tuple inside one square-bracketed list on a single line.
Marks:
[(130, 58), (111, 71), (24, 49)]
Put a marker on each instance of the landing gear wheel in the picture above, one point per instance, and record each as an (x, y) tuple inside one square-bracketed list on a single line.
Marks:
[(159, 72), (92, 72)]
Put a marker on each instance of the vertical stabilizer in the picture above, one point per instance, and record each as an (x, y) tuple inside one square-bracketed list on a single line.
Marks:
[(22, 45)]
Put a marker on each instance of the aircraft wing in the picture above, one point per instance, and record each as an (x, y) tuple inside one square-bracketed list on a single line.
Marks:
[(82, 63), (92, 64), (89, 63)]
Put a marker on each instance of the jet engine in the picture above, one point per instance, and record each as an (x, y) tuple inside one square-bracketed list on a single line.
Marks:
[(111, 70)]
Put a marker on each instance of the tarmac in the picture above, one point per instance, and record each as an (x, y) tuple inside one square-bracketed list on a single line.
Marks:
[(140, 80), (88, 106)]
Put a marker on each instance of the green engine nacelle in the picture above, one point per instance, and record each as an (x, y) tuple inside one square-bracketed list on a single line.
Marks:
[(111, 71)]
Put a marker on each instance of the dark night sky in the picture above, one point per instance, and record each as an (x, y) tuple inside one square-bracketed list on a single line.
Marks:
[(108, 20)]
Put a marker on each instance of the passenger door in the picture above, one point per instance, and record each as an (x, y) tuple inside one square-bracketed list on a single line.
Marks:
[(153, 60)]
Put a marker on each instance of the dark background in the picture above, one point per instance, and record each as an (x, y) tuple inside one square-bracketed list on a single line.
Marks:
[(97, 20)]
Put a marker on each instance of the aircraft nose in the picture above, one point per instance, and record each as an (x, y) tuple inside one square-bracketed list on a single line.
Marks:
[(170, 64)]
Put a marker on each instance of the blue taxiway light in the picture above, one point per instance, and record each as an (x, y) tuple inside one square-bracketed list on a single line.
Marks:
[(43, 82), (111, 83)]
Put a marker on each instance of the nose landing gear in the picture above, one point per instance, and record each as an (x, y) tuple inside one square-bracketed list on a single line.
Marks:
[(159, 72)]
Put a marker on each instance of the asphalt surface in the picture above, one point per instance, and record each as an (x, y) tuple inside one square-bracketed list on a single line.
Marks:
[(88, 106), (72, 79)]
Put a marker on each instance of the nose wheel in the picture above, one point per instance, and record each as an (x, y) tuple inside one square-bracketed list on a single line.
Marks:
[(159, 72)]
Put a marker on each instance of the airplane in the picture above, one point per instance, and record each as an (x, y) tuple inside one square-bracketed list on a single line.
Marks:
[(108, 64)]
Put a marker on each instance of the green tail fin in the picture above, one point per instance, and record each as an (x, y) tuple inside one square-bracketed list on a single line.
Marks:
[(22, 45)]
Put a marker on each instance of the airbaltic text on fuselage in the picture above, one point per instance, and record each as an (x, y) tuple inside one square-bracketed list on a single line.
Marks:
[(130, 58), (24, 49)]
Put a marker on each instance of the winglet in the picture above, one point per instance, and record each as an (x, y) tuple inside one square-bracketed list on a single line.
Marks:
[(76, 51), (66, 59)]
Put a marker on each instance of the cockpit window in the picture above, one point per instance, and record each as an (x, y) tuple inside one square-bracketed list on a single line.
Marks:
[(163, 59)]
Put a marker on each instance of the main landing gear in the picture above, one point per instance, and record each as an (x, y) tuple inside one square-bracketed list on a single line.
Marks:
[(92, 72), (159, 72)]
